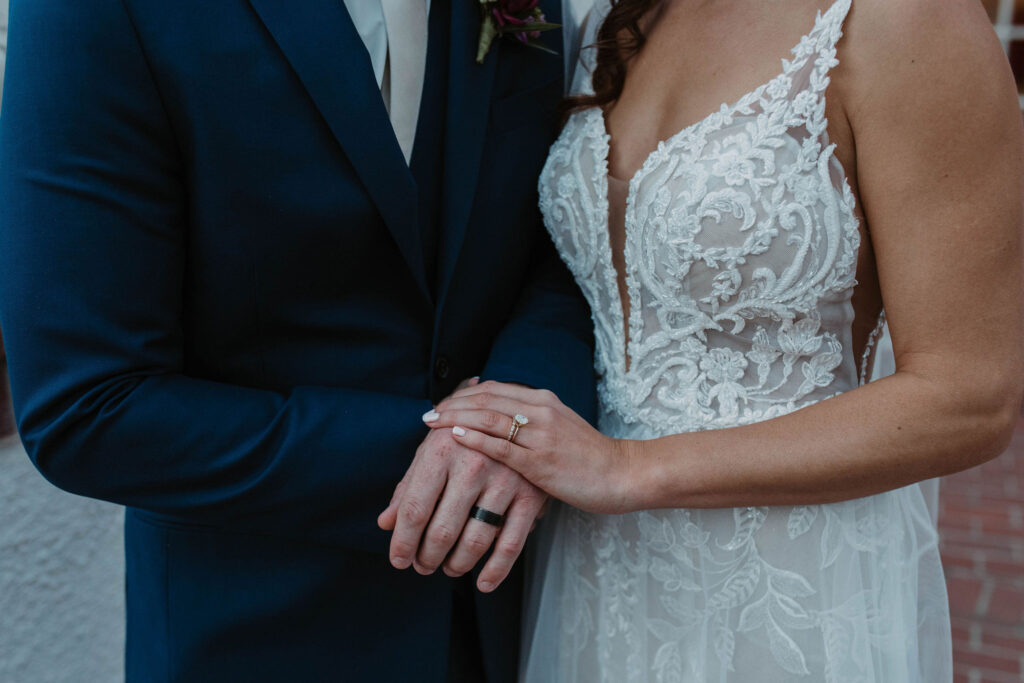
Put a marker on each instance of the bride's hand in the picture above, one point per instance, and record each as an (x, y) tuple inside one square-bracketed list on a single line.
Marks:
[(556, 450)]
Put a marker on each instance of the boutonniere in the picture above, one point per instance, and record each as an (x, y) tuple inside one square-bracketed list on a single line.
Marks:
[(521, 19)]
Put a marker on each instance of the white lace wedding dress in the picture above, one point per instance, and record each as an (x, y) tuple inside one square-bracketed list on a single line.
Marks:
[(741, 252)]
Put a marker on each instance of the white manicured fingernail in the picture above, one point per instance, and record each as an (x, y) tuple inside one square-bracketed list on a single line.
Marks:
[(431, 416), (458, 431)]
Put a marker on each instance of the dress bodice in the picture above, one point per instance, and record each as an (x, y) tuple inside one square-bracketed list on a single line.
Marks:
[(741, 247)]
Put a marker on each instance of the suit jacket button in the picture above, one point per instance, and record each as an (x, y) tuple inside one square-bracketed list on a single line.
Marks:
[(441, 368)]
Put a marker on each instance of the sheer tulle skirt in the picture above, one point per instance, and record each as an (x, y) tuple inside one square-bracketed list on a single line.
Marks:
[(850, 592)]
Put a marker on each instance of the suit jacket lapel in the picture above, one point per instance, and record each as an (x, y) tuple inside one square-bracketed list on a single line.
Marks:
[(322, 46), (469, 99)]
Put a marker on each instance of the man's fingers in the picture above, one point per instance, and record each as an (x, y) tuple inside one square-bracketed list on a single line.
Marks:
[(502, 450), (513, 391), (511, 539), (478, 536), (387, 519), (482, 400), (446, 525), (415, 509), (463, 385)]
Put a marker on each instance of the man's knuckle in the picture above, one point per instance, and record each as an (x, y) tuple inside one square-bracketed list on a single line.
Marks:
[(506, 477), (477, 544), (474, 464), (532, 497), (442, 534), (501, 488), (530, 504), (402, 548), (517, 483), (508, 550), (444, 446), (414, 511)]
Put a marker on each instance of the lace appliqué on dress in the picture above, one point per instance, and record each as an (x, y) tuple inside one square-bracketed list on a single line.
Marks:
[(736, 239)]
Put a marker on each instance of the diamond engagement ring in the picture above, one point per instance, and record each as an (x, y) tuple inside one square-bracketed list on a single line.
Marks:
[(518, 421)]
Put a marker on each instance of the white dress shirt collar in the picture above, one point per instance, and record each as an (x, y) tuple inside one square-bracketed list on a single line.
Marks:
[(368, 17)]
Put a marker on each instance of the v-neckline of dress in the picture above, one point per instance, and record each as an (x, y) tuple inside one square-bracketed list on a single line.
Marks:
[(627, 337)]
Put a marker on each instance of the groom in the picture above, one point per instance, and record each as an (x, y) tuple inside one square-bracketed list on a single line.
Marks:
[(244, 246)]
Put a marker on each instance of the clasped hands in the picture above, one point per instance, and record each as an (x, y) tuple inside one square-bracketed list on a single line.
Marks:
[(467, 460)]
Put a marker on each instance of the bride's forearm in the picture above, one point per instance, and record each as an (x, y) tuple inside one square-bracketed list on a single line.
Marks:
[(878, 437), (937, 415)]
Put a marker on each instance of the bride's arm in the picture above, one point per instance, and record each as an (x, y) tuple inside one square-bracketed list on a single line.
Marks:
[(939, 165)]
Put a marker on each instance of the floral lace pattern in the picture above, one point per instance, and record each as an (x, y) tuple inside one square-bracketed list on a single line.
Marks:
[(741, 247), (736, 239)]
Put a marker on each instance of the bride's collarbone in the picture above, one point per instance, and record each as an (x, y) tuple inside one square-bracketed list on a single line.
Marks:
[(697, 57)]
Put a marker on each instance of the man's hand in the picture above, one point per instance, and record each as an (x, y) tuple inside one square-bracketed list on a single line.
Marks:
[(429, 512)]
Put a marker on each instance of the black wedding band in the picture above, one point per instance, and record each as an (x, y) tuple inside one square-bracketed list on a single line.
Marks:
[(486, 516)]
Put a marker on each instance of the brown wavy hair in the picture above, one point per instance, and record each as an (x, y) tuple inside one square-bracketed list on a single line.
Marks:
[(619, 39)]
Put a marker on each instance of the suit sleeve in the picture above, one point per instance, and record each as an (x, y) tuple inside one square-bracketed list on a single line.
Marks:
[(92, 245), (548, 343)]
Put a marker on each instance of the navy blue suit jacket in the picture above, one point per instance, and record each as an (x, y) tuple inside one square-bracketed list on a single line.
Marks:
[(217, 313)]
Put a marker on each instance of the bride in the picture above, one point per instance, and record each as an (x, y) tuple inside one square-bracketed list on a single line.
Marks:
[(750, 509)]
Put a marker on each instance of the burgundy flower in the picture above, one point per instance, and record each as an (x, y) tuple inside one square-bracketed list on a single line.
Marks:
[(518, 6), (507, 22), (521, 19)]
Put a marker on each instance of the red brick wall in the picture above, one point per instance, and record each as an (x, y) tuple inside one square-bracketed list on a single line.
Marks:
[(981, 524)]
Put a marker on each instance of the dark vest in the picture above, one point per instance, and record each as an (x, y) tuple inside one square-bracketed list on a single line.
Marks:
[(465, 664), (427, 163)]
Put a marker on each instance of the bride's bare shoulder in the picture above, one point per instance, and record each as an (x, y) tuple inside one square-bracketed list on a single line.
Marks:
[(897, 16), (927, 50)]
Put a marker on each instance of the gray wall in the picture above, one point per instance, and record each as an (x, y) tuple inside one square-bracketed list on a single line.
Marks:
[(61, 569)]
